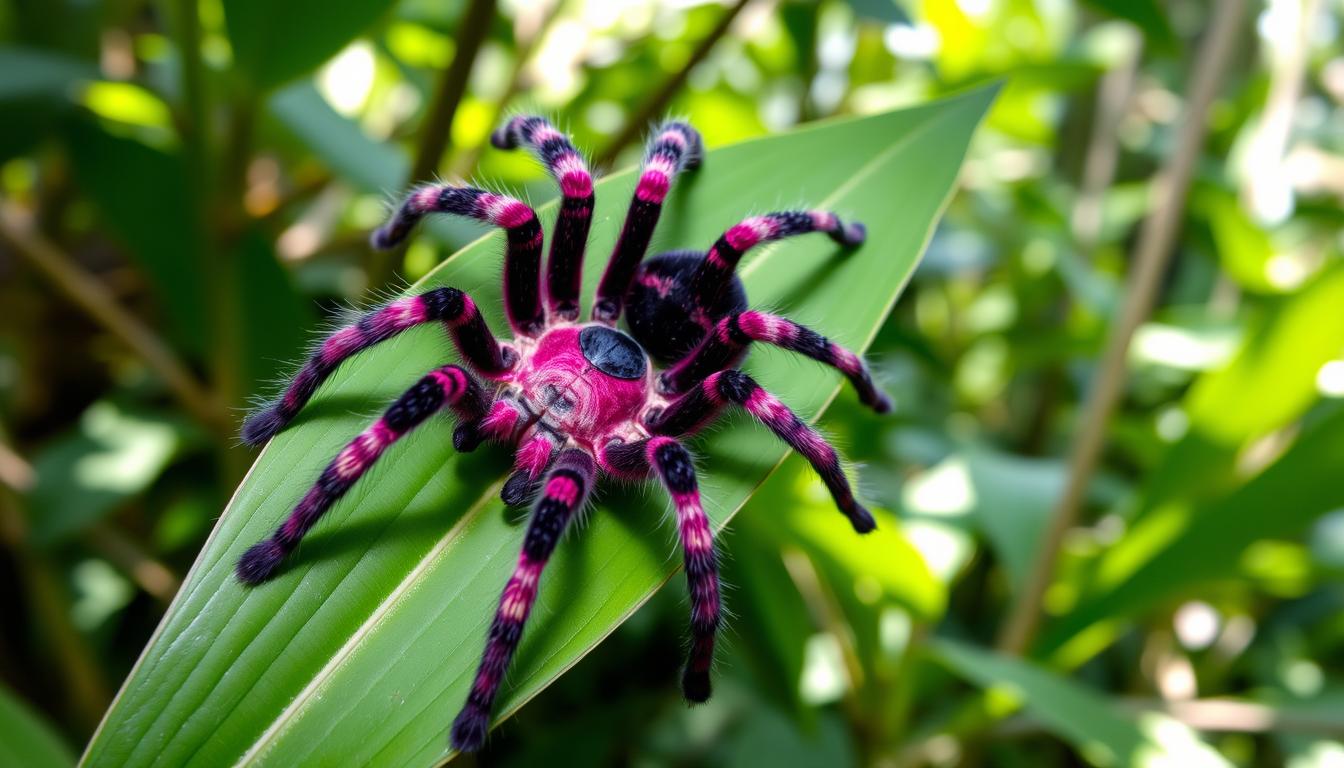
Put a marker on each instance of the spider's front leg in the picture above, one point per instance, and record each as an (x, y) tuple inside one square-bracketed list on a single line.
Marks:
[(697, 407), (449, 306), (671, 462), (564, 267), (675, 147), (522, 255), (447, 387), (727, 342), (566, 489)]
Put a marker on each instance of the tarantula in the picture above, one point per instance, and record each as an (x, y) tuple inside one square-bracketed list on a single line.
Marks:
[(579, 399)]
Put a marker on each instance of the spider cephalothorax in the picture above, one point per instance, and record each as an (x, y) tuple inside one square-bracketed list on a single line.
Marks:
[(580, 399)]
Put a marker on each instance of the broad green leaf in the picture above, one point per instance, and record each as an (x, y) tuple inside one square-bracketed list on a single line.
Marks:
[(362, 650), (119, 174), (1147, 15), (26, 739), (275, 42), (1180, 548), (113, 454), (1078, 714), (29, 72)]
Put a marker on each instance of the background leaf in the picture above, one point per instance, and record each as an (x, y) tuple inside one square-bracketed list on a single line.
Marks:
[(276, 42), (362, 650), (25, 740)]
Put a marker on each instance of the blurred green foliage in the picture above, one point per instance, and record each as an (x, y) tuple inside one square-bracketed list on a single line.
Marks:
[(210, 170)]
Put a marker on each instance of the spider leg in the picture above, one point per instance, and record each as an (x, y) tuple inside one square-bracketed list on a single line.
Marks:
[(724, 346), (674, 147), (566, 489), (529, 462), (522, 256), (671, 462), (716, 270), (564, 267), (694, 409), (449, 386), (450, 306)]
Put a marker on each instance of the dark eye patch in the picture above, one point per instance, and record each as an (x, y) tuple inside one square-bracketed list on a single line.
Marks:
[(612, 352)]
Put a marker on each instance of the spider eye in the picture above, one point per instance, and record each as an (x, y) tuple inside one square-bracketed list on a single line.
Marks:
[(612, 352)]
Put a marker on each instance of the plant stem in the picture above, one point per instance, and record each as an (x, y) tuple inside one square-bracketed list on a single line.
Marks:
[(436, 131), (1151, 255), (90, 295), (525, 43), (654, 107)]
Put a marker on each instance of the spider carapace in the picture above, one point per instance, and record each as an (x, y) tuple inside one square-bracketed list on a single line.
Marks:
[(580, 399)]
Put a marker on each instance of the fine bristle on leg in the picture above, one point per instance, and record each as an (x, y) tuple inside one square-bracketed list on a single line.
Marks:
[(449, 386), (697, 407), (671, 463), (726, 343), (449, 306), (565, 490)]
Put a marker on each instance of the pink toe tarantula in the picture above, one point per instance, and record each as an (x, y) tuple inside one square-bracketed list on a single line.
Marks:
[(580, 399)]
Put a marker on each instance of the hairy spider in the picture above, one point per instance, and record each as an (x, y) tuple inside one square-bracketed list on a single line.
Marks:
[(580, 398)]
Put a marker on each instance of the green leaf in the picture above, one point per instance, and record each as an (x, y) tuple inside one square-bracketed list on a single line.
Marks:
[(1077, 714), (363, 649), (115, 453), (120, 174), (1147, 15), (275, 42), (1180, 547), (29, 72), (26, 739)]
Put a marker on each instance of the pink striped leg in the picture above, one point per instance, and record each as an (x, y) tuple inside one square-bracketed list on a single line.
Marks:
[(530, 461), (449, 386), (697, 407), (449, 306), (727, 342), (670, 461), (567, 487), (716, 270), (564, 266), (522, 256), (674, 147)]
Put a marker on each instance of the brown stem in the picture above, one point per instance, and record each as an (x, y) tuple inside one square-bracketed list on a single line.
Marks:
[(435, 132), (1151, 255), (525, 43), (90, 295), (149, 574), (651, 109)]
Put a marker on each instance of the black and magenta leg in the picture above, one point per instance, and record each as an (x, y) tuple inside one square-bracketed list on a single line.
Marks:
[(671, 463), (564, 266), (446, 387), (449, 306), (530, 460), (674, 147), (567, 486), (720, 262), (522, 255), (725, 345), (694, 409)]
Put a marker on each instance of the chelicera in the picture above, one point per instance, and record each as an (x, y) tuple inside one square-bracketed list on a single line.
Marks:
[(580, 399)]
